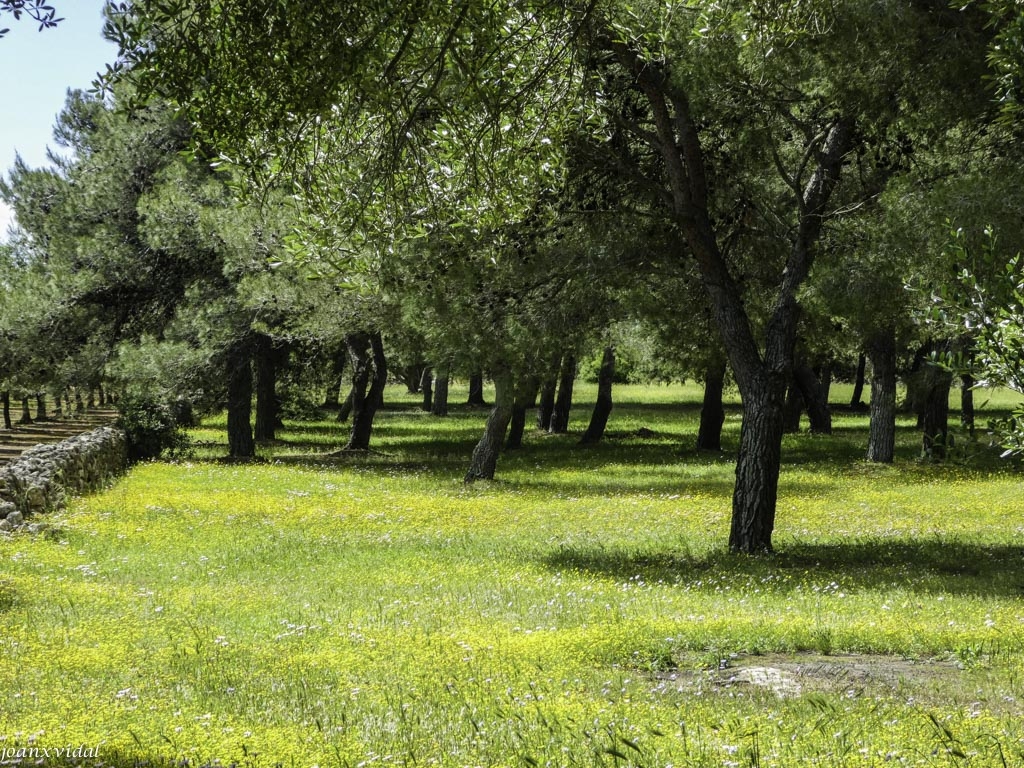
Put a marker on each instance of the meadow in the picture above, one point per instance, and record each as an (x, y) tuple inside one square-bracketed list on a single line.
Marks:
[(324, 610)]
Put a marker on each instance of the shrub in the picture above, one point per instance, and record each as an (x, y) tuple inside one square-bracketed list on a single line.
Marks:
[(151, 427)]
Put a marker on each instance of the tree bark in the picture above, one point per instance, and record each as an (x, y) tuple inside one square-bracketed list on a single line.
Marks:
[(603, 405), (476, 390), (266, 388), (41, 407), (102, 394), (58, 408), (967, 403), (440, 406), (563, 401), (412, 376), (814, 396), (26, 416), (79, 404), (5, 398), (365, 401), (757, 469), (546, 406), (526, 398), (792, 408), (935, 424), (345, 411), (427, 388), (881, 350), (858, 383), (239, 378), (485, 454), (712, 412)]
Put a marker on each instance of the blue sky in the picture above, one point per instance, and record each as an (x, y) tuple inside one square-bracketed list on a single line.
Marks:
[(38, 68)]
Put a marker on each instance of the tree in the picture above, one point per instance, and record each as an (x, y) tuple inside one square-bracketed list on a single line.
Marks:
[(39, 11)]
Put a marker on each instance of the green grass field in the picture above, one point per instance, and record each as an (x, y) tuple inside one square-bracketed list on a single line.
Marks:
[(581, 610)]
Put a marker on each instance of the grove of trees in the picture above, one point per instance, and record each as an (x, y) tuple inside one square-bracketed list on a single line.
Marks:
[(767, 194)]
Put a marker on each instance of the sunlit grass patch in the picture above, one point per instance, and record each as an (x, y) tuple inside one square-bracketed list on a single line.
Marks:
[(580, 609)]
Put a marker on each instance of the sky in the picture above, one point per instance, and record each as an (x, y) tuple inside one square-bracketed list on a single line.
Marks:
[(37, 70)]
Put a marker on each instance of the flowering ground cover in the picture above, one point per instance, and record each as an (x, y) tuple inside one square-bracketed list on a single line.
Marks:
[(581, 610)]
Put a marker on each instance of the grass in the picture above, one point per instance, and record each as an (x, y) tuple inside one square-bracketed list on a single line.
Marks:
[(373, 610)]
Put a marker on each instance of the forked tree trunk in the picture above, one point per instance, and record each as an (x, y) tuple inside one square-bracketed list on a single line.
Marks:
[(967, 403), (563, 401), (476, 390), (366, 401), (427, 388), (858, 383), (440, 405), (41, 406), (603, 405), (239, 377), (485, 454), (935, 436), (881, 350), (526, 398), (266, 388), (757, 468), (712, 412), (5, 398), (26, 416), (815, 398)]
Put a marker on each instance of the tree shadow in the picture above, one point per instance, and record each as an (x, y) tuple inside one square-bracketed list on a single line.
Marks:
[(929, 567)]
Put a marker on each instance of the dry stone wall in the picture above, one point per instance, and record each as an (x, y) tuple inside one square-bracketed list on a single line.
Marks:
[(41, 479)]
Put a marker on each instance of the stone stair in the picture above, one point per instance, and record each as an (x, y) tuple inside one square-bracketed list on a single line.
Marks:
[(14, 442)]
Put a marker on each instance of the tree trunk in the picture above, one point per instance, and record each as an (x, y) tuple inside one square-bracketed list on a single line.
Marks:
[(881, 350), (712, 412), (757, 469), (563, 401), (26, 416), (239, 377), (412, 377), (546, 406), (603, 405), (102, 394), (67, 401), (365, 402), (814, 397), (427, 388), (345, 411), (858, 383), (476, 390), (526, 398), (967, 403), (792, 408), (79, 405), (5, 398), (90, 401), (41, 407), (485, 454), (58, 408), (935, 435), (440, 406), (336, 380), (824, 374), (266, 388)]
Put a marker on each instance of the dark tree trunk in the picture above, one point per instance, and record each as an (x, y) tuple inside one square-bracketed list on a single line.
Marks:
[(427, 388), (824, 374), (858, 383), (563, 401), (102, 394), (712, 412), (440, 406), (67, 401), (41, 406), (26, 416), (239, 377), (79, 405), (526, 398), (967, 403), (792, 408), (345, 411), (366, 401), (881, 350), (485, 454), (546, 406), (266, 388), (814, 396), (90, 401), (757, 469), (603, 405), (476, 390), (336, 380), (936, 412), (58, 409), (412, 377), (5, 398)]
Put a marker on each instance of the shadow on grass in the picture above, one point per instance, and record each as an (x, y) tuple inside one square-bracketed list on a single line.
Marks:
[(930, 567)]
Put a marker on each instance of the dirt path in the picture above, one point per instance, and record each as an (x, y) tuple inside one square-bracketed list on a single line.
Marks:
[(14, 442)]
